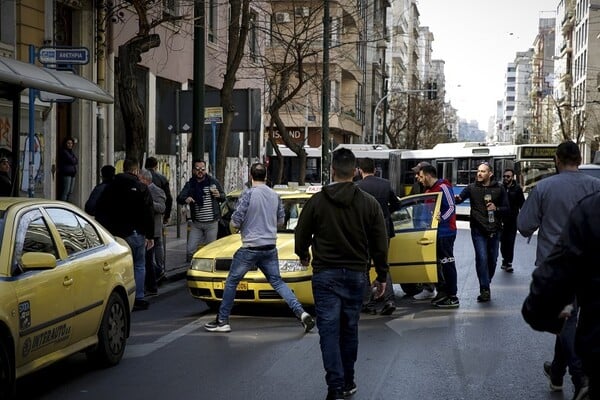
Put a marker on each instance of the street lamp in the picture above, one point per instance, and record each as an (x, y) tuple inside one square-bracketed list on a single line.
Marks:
[(375, 115)]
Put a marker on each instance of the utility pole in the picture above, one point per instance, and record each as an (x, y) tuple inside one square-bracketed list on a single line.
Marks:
[(199, 72), (325, 97)]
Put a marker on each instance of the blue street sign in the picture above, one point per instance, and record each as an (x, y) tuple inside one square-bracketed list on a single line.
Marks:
[(64, 55)]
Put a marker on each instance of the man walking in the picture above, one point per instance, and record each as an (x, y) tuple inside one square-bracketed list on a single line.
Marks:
[(488, 203), (547, 208), (202, 193), (346, 230), (509, 220), (162, 182), (382, 191), (158, 208), (125, 209), (446, 235), (257, 215)]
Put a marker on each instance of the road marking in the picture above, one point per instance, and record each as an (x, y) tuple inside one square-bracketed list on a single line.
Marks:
[(142, 350)]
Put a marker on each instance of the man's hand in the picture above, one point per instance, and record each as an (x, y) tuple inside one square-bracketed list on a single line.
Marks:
[(232, 228), (149, 244), (378, 288), (305, 261), (189, 200)]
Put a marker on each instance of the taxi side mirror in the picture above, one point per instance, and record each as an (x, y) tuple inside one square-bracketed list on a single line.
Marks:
[(38, 260)]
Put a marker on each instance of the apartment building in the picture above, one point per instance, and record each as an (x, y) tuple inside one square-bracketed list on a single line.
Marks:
[(521, 117), (542, 79)]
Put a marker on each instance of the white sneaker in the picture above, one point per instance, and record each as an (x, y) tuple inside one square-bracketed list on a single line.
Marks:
[(425, 295)]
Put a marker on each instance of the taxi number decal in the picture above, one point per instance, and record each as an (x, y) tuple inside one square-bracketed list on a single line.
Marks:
[(24, 315)]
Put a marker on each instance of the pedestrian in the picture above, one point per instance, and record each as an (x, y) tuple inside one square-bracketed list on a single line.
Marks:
[(547, 210), (202, 194), (108, 174), (5, 180), (418, 187), (162, 182), (125, 209), (570, 271), (381, 189), (158, 208), (345, 228), (488, 203), (258, 213), (509, 219), (67, 168), (446, 236)]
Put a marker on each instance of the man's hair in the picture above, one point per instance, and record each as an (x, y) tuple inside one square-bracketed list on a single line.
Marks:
[(487, 164), (130, 165), (568, 153), (367, 165), (429, 170), (343, 162), (107, 172), (198, 160), (509, 170), (146, 175), (151, 163), (258, 172)]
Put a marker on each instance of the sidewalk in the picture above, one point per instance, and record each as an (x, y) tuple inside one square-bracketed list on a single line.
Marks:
[(175, 264)]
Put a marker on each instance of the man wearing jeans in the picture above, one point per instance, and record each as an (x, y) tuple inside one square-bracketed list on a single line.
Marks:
[(488, 203), (257, 215), (346, 229)]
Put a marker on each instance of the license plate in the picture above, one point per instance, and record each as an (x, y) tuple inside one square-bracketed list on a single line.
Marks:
[(221, 285)]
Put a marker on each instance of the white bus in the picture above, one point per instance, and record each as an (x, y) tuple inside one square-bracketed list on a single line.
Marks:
[(458, 162)]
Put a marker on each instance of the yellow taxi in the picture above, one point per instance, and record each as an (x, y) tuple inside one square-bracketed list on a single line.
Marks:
[(66, 285), (412, 254)]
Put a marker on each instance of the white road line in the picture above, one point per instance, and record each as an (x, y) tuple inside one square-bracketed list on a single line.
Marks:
[(142, 350)]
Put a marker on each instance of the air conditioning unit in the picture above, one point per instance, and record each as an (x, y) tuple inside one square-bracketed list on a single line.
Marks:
[(302, 12), (282, 17)]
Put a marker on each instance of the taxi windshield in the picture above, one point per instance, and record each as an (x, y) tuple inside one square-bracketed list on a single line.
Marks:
[(293, 208)]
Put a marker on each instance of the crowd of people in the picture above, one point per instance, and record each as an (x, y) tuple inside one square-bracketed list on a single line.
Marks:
[(358, 206)]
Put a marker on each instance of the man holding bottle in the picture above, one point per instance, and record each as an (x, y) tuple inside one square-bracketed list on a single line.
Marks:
[(488, 203)]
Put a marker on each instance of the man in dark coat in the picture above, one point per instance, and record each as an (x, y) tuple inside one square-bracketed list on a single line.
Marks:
[(5, 181), (509, 219)]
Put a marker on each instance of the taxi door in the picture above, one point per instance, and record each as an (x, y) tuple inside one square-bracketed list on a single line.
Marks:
[(412, 252), (45, 297)]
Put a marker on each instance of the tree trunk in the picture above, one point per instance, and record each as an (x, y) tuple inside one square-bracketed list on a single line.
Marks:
[(293, 146), (130, 103)]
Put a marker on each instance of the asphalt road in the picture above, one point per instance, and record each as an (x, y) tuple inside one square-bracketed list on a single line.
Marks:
[(479, 351)]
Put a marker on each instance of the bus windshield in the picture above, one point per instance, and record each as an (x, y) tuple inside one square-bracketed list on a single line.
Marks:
[(531, 172)]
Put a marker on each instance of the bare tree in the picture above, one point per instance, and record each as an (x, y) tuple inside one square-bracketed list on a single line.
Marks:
[(149, 16), (416, 123)]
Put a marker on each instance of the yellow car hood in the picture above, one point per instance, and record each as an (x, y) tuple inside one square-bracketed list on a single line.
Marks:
[(228, 245)]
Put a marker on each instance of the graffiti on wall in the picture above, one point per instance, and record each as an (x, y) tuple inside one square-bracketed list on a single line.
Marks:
[(32, 166)]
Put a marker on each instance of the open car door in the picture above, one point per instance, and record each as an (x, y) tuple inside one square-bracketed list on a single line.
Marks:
[(412, 253)]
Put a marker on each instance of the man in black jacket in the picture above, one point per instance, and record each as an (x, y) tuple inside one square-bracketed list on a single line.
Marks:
[(125, 209), (382, 191), (5, 181), (488, 203), (345, 228), (509, 220), (571, 271)]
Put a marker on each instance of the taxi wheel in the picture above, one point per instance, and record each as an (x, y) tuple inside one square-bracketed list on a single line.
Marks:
[(7, 374), (112, 335)]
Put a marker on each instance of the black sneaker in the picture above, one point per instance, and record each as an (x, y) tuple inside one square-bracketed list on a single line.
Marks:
[(217, 326), (448, 302), (556, 384), (139, 305), (484, 296), (349, 389), (308, 322), (335, 395), (441, 296), (509, 268), (388, 308), (582, 389)]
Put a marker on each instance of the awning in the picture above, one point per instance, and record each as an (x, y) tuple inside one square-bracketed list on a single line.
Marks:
[(19, 74)]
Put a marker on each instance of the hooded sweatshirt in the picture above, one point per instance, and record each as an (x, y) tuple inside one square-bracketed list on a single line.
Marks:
[(345, 227)]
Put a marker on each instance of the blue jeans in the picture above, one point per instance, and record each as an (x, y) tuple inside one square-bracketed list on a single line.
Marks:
[(266, 260), (486, 255), (137, 243), (564, 350), (338, 294), (201, 234), (68, 183)]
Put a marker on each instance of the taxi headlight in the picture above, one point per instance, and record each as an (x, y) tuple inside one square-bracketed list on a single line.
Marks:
[(201, 264), (291, 266)]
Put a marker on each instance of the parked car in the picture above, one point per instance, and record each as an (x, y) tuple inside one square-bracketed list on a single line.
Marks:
[(66, 285), (412, 255)]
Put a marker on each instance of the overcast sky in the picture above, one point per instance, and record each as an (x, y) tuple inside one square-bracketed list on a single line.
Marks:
[(477, 39)]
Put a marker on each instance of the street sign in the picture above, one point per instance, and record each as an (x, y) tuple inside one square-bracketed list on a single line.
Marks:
[(64, 55), (213, 114)]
